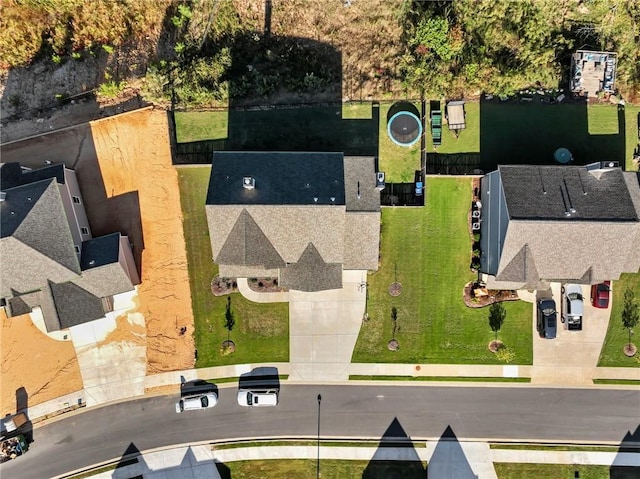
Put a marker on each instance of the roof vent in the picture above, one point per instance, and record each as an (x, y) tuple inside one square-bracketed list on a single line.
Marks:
[(3, 195), (315, 199), (92, 262), (610, 164), (358, 190), (333, 199), (248, 182)]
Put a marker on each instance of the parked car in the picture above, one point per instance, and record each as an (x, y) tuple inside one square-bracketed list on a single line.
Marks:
[(267, 397), (547, 318), (573, 307), (600, 294), (199, 401)]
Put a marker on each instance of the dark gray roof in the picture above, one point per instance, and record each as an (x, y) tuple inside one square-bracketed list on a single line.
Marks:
[(281, 178), (25, 303), (12, 175), (36, 240), (548, 192), (248, 245), (100, 251), (75, 305), (311, 273)]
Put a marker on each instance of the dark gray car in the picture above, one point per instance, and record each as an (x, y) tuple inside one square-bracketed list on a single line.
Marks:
[(547, 324)]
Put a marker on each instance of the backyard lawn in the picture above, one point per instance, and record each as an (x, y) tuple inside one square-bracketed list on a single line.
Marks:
[(261, 331), (428, 250), (617, 335)]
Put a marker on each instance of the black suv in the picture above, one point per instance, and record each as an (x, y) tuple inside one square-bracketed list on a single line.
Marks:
[(547, 318)]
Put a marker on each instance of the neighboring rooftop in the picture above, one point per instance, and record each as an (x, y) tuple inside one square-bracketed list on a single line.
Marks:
[(593, 72), (567, 193), (276, 178)]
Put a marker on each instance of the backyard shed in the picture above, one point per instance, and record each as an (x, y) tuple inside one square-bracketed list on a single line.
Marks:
[(455, 115)]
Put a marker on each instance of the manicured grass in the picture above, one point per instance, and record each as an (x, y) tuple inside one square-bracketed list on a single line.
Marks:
[(632, 121), (550, 471), (201, 125), (529, 133), (329, 469), (631, 382), (617, 336), (438, 378), (546, 447), (398, 162), (468, 141), (428, 250), (261, 332)]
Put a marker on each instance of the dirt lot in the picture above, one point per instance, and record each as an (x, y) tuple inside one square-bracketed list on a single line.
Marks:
[(133, 187), (44, 367), (128, 184)]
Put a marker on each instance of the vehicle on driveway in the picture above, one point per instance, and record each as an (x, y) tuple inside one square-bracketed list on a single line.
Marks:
[(547, 323), (600, 295), (573, 307), (199, 401), (259, 398)]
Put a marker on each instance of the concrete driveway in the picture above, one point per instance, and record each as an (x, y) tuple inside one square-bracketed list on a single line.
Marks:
[(323, 329), (570, 358)]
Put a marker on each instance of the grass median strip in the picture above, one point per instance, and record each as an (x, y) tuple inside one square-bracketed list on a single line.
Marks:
[(439, 378)]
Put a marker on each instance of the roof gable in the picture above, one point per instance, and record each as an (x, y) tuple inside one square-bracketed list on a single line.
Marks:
[(521, 268), (248, 245), (75, 305), (311, 273)]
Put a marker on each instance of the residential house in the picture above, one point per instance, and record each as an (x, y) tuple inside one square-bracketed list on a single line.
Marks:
[(50, 260), (542, 224), (302, 218)]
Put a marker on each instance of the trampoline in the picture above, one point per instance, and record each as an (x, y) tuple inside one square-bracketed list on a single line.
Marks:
[(563, 156), (404, 128)]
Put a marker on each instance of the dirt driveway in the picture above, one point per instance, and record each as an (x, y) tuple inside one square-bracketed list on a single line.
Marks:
[(128, 184)]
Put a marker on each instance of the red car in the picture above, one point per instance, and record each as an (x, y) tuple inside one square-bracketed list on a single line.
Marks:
[(600, 294)]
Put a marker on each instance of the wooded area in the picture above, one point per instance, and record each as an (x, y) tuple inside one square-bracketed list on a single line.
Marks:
[(200, 52)]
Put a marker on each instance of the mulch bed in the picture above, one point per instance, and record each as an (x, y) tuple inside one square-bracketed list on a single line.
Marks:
[(221, 286), (493, 296), (630, 350), (265, 285), (395, 289)]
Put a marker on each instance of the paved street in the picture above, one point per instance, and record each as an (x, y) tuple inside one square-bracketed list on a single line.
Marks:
[(422, 412)]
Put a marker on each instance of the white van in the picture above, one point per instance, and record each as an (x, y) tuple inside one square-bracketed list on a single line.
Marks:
[(267, 397), (200, 401)]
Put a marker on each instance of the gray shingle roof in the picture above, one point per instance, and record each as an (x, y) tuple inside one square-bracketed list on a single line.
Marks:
[(75, 305), (247, 245), (281, 178), (360, 184), (311, 273), (36, 242), (100, 251), (548, 192)]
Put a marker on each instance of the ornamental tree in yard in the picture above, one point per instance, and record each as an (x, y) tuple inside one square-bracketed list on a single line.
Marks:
[(630, 314)]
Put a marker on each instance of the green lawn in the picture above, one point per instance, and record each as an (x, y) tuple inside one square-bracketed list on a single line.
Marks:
[(428, 250), (468, 141), (398, 162), (617, 335), (201, 125), (329, 469), (631, 135), (261, 332), (334, 469)]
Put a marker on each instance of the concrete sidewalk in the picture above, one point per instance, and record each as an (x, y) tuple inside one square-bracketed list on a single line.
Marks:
[(446, 459)]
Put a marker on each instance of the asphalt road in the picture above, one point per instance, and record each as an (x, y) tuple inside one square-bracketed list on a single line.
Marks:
[(420, 411)]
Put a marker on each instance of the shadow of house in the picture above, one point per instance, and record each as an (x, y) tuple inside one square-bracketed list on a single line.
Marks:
[(630, 445), (396, 457), (269, 78), (448, 460), (513, 132), (196, 461)]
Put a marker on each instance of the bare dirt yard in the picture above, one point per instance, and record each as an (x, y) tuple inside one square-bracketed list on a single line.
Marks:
[(134, 164), (128, 183), (44, 367)]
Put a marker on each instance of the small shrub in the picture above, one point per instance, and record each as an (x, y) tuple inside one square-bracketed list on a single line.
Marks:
[(76, 55), (505, 354), (57, 59), (111, 89), (108, 48), (476, 237)]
